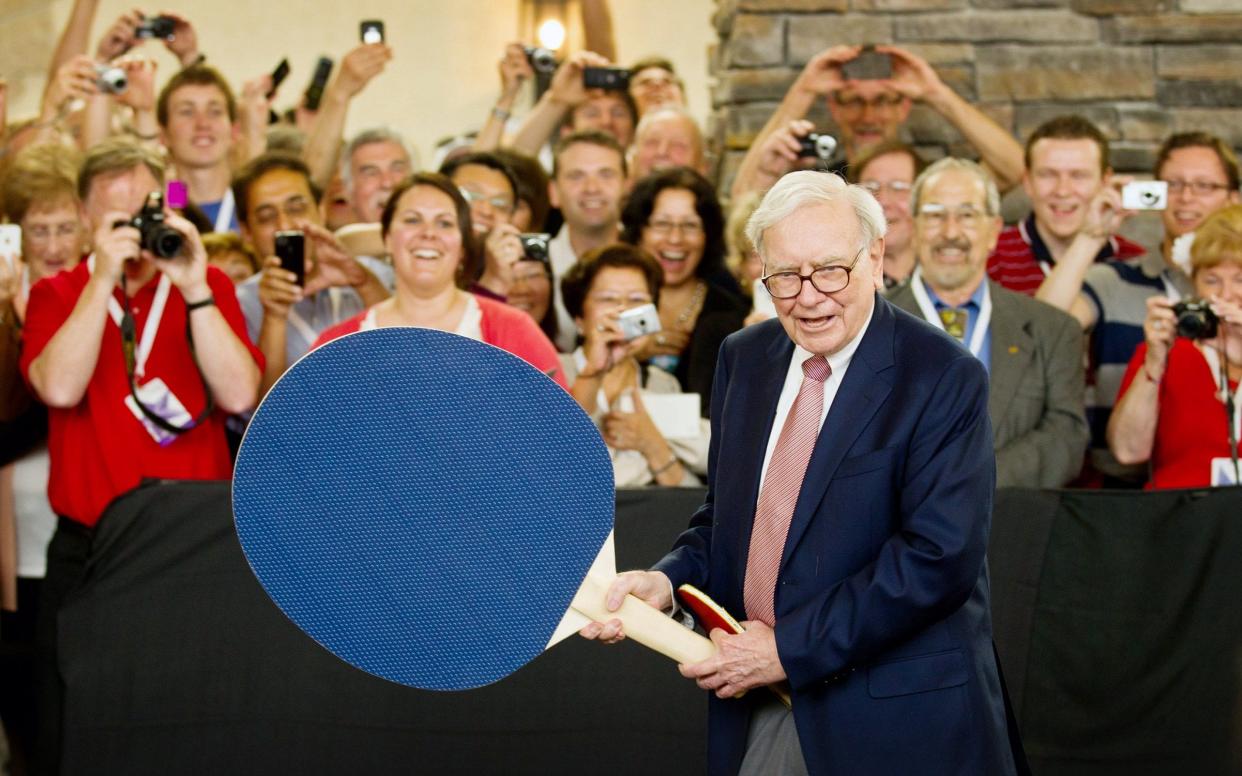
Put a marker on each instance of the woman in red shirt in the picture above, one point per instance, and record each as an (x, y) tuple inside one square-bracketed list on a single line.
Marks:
[(1171, 409), (426, 229)]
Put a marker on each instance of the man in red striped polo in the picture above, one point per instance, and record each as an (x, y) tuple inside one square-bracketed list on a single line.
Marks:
[(1066, 166)]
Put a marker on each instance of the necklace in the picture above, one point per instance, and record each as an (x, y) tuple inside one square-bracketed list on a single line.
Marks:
[(691, 310)]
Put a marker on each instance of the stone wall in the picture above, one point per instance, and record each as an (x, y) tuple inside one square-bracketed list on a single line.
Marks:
[(1140, 69)]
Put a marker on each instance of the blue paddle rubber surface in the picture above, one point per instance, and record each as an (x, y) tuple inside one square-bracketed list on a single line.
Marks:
[(421, 504)]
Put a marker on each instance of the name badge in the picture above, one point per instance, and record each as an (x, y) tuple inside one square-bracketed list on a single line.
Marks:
[(1224, 473), (161, 401)]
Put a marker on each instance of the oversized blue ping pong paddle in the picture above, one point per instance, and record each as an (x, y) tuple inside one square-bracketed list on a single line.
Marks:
[(433, 510)]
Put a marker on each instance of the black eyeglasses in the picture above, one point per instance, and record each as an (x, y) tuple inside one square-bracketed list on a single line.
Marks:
[(826, 280)]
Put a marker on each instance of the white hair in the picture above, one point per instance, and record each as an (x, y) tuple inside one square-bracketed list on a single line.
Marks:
[(374, 135), (991, 194), (665, 111), (807, 188)]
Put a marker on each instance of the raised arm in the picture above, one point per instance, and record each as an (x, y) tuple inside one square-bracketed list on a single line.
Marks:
[(515, 70), (228, 366), (1132, 424), (820, 77), (75, 38), (63, 369), (564, 94), (1062, 288), (914, 78), (323, 143)]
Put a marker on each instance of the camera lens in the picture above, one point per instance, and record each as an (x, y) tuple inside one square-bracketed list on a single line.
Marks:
[(164, 242)]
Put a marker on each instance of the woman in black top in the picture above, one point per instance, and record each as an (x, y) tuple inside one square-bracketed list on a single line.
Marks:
[(674, 215)]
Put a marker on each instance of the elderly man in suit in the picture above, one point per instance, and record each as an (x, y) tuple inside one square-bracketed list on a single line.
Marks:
[(1032, 351), (849, 500)]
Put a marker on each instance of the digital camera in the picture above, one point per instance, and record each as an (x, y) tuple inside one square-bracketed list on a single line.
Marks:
[(817, 146), (535, 246), (110, 79), (1195, 319), (155, 236), (541, 59), (615, 79), (160, 27), (639, 321), (1145, 195)]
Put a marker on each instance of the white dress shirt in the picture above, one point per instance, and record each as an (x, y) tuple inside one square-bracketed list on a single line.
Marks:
[(839, 362), (561, 255)]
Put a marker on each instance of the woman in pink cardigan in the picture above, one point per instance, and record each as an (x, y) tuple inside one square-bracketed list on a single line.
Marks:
[(426, 228)]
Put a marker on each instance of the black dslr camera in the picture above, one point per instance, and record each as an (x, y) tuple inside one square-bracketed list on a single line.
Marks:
[(1195, 319), (535, 247), (156, 236)]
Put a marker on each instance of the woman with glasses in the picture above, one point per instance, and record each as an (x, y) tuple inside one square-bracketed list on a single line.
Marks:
[(674, 215), (427, 232), (1173, 409), (623, 397)]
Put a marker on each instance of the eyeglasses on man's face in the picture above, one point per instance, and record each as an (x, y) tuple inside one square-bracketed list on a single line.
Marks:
[(1198, 188), (826, 280), (498, 202)]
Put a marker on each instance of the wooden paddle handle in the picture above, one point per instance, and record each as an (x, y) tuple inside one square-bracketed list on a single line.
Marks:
[(645, 624)]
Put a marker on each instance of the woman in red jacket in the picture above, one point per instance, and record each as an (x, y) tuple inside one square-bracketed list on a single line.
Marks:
[(426, 228), (1172, 408)]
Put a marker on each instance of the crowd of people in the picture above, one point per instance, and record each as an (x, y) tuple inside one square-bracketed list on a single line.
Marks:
[(152, 299)]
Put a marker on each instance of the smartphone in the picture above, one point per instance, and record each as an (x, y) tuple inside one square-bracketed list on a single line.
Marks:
[(869, 65), (371, 31), (614, 78), (278, 76), (291, 250), (10, 243), (319, 82), (177, 194), (639, 321), (1145, 195)]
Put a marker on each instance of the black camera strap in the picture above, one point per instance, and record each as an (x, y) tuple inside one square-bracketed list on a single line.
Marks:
[(129, 341)]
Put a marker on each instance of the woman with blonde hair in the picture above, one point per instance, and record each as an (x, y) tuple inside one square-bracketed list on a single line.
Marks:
[(1178, 406)]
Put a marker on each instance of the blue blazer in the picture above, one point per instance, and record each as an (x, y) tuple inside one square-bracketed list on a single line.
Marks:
[(882, 616)]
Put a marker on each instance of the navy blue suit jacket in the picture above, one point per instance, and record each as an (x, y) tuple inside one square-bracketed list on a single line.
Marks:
[(882, 613)]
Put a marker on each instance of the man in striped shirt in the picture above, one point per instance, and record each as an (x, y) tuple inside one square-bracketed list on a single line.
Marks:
[(1066, 166)]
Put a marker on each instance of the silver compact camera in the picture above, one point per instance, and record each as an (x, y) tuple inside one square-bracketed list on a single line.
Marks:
[(1145, 195), (639, 322), (110, 79)]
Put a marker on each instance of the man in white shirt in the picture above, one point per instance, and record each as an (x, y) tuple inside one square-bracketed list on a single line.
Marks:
[(588, 181), (850, 483)]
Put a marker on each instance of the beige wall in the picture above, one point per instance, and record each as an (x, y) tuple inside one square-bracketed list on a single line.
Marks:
[(442, 79)]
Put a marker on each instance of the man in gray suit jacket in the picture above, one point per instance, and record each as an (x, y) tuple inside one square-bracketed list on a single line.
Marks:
[(1033, 352)]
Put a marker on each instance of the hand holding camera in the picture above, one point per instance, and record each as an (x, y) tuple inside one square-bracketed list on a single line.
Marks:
[(139, 73), (1106, 211), (75, 79), (822, 75), (359, 66), (1159, 330), (120, 37), (911, 77), (567, 88), (515, 69), (781, 150), (157, 233)]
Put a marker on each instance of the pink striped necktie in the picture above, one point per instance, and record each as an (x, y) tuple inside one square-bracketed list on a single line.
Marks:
[(780, 491)]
